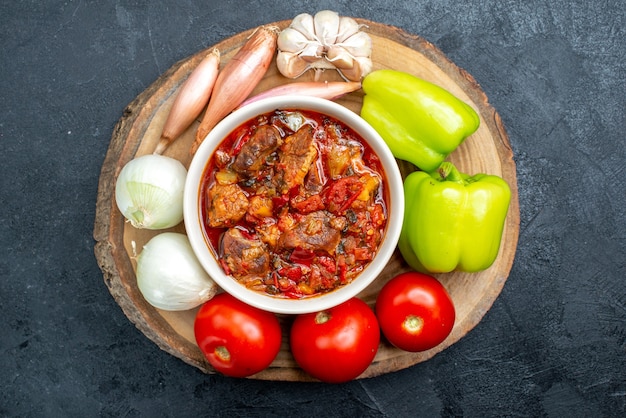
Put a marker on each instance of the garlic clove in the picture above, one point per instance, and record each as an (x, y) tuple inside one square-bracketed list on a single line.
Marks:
[(291, 65), (303, 23), (323, 64), (366, 65), (292, 40), (347, 28), (326, 26), (339, 57), (312, 52), (358, 45), (361, 67)]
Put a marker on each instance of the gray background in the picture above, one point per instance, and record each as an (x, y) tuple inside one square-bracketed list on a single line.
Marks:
[(554, 342)]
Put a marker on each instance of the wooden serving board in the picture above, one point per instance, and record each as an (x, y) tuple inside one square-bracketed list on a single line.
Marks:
[(138, 131)]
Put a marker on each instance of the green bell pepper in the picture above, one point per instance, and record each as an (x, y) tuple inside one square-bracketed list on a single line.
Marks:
[(421, 122), (453, 221)]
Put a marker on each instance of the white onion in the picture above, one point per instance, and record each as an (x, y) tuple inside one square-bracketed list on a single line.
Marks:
[(149, 191), (169, 275)]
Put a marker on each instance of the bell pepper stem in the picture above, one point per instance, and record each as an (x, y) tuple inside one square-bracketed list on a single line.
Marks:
[(449, 172)]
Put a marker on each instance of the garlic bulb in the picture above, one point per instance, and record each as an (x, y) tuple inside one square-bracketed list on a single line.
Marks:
[(169, 275), (324, 41), (149, 191)]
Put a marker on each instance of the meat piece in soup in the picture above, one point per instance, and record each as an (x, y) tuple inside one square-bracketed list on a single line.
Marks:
[(244, 255), (255, 151), (317, 231), (227, 204), (295, 157)]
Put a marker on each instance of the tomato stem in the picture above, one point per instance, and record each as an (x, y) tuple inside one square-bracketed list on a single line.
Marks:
[(413, 324), (222, 353), (322, 317)]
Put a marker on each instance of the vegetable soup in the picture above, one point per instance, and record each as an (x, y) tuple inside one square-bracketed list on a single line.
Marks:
[(294, 204)]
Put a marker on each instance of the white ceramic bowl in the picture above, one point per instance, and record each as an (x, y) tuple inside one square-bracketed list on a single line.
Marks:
[(193, 218)]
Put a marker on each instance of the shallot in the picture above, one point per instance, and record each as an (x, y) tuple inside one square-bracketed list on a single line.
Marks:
[(190, 100), (238, 78), (324, 89)]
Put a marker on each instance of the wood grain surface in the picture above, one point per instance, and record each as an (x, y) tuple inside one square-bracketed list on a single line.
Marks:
[(138, 131)]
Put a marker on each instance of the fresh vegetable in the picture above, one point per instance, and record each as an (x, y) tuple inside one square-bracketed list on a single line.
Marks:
[(169, 275), (338, 344), (238, 78), (421, 122), (415, 311), (237, 339), (453, 221), (324, 89), (321, 42), (191, 99), (149, 191)]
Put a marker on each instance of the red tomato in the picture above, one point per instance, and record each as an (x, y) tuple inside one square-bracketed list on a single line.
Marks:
[(338, 344), (237, 339), (415, 311)]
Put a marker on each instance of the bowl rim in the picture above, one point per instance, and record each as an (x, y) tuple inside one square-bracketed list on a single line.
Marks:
[(195, 230)]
